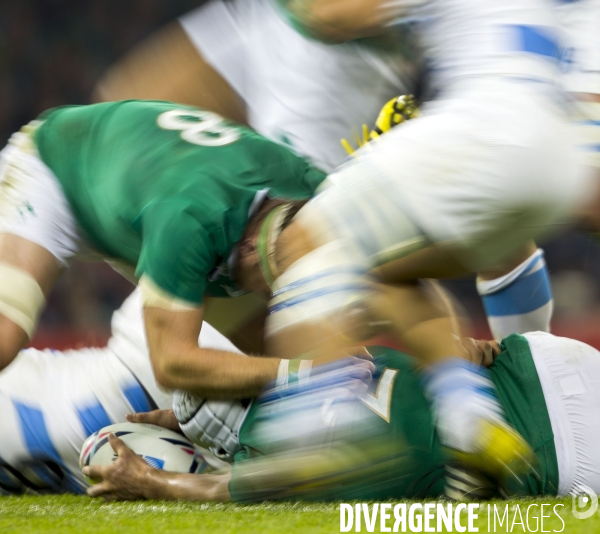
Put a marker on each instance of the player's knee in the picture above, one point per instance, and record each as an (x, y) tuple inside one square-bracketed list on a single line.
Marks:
[(12, 339), (21, 301)]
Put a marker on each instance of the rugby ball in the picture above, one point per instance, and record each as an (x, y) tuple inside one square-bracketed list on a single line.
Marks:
[(159, 447)]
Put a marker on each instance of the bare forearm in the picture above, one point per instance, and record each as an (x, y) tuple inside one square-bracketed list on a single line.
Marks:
[(216, 374), (178, 362), (163, 485)]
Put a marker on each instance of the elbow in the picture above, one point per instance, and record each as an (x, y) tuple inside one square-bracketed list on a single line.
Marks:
[(166, 372), (165, 375)]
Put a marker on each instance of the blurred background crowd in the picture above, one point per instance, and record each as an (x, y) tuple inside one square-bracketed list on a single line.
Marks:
[(52, 52)]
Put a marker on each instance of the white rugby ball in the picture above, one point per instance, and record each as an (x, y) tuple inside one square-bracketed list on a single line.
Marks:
[(159, 447)]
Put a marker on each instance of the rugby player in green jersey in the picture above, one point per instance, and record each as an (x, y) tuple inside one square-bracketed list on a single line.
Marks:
[(163, 191), (544, 383)]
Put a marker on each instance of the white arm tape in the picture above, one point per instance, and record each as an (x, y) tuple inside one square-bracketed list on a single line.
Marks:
[(21, 297), (212, 424), (301, 368), (283, 374), (156, 297)]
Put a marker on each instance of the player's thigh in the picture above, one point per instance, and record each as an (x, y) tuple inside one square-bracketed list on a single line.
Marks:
[(372, 199), (33, 266), (31, 258), (168, 66), (38, 235), (478, 185)]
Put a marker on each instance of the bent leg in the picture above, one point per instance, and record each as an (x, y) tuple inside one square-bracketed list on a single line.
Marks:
[(38, 235), (168, 66), (30, 273)]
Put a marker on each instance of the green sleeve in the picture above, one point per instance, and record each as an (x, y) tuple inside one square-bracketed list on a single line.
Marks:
[(177, 251)]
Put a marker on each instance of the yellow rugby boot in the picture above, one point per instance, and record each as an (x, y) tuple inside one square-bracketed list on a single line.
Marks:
[(395, 111)]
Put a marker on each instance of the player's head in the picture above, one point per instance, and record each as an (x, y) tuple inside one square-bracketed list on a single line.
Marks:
[(256, 266)]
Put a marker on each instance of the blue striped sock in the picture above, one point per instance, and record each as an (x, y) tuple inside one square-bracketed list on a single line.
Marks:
[(520, 301)]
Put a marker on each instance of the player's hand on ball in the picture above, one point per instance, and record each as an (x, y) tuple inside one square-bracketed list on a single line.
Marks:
[(163, 418), (126, 479)]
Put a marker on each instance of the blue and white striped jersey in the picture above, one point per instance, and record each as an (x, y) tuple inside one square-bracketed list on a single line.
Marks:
[(52, 401)]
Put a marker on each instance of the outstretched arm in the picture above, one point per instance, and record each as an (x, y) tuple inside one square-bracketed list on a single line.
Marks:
[(130, 478)]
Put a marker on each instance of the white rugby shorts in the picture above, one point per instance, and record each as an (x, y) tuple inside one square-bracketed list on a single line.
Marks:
[(569, 373), (32, 203), (482, 171)]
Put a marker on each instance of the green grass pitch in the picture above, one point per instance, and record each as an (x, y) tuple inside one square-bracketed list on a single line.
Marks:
[(81, 515)]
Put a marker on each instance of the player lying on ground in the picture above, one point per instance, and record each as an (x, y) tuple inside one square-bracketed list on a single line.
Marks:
[(489, 165), (161, 190), (225, 51), (51, 401), (545, 385)]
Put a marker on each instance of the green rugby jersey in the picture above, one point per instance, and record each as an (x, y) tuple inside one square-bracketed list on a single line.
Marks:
[(411, 427), (166, 188)]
